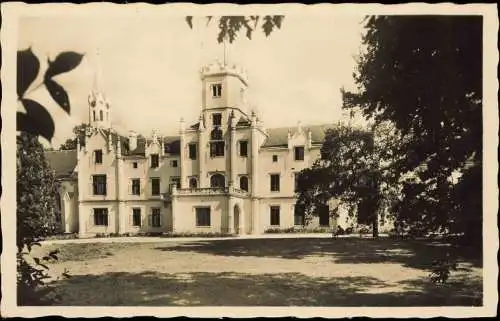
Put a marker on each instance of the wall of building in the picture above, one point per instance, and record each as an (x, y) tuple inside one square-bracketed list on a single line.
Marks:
[(185, 213), (68, 194)]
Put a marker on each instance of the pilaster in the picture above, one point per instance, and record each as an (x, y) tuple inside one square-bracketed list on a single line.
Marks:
[(182, 152)]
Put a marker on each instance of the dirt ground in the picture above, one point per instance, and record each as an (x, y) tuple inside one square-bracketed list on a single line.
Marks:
[(261, 272)]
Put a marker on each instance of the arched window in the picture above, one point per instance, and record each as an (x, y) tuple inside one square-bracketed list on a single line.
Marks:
[(217, 181), (193, 182), (93, 113), (244, 183), (216, 134), (101, 116)]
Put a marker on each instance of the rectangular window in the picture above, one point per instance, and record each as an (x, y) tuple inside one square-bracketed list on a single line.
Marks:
[(216, 149), (217, 90), (243, 148), (99, 184), (101, 216), (98, 156), (136, 186), (155, 186), (299, 153), (275, 158), (156, 217), (155, 161), (136, 217), (203, 216), (216, 119), (192, 151), (173, 163), (275, 182), (275, 215), (299, 215), (134, 164)]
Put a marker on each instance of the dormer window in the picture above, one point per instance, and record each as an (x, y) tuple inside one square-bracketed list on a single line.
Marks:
[(217, 119), (155, 161), (98, 156), (216, 90), (299, 153)]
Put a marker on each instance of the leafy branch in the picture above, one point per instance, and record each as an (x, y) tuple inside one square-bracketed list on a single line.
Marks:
[(230, 26), (37, 119)]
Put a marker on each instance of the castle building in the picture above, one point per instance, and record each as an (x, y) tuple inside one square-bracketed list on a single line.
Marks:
[(224, 173)]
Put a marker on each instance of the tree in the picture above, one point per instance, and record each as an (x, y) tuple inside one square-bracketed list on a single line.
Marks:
[(36, 213), (353, 169), (79, 132), (424, 74), (230, 26)]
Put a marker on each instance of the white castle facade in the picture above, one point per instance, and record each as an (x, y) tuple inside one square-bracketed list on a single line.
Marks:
[(226, 173)]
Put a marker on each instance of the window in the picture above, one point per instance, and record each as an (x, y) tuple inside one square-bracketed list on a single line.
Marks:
[(216, 149), (134, 164), (136, 186), (155, 217), (193, 182), (94, 116), (98, 156), (216, 119), (155, 186), (243, 148), (244, 183), (101, 117), (99, 184), (275, 158), (324, 215), (192, 151), (217, 181), (173, 163), (299, 215), (217, 90), (101, 216), (299, 153), (155, 161), (203, 216), (275, 215), (136, 217), (275, 182)]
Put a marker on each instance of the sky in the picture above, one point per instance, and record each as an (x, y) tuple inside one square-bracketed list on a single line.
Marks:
[(149, 67)]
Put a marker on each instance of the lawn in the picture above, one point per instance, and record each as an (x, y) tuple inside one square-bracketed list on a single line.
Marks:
[(263, 272)]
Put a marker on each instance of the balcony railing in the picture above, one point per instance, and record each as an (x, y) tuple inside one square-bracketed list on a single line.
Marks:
[(205, 191)]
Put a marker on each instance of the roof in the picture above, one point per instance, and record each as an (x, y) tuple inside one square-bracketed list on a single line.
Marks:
[(63, 162), (279, 136)]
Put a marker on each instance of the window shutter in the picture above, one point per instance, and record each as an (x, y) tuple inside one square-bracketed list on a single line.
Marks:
[(150, 220), (130, 187), (161, 219)]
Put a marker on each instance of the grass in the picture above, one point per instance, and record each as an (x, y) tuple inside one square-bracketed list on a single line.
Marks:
[(271, 272)]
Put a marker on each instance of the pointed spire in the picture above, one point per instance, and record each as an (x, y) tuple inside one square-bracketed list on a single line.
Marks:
[(97, 85)]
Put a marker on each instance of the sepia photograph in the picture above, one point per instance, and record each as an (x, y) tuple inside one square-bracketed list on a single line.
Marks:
[(228, 160)]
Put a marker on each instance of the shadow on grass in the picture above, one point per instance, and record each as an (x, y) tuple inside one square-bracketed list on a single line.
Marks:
[(237, 289), (411, 253)]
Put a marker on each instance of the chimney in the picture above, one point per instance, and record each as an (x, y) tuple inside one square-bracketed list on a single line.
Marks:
[(132, 140)]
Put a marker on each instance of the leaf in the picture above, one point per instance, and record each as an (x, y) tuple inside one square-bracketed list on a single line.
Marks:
[(36, 121), (277, 21), (28, 66), (189, 20), (64, 62), (58, 94), (267, 26), (209, 18)]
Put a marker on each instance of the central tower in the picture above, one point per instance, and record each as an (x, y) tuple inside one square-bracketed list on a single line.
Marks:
[(223, 86)]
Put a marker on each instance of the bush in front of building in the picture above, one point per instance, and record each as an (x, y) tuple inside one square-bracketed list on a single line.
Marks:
[(298, 229)]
